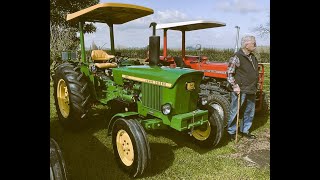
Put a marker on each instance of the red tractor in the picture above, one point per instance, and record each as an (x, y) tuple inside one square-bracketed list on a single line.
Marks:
[(214, 83)]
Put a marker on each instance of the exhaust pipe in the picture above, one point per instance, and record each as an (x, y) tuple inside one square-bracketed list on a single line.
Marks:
[(237, 40), (154, 47)]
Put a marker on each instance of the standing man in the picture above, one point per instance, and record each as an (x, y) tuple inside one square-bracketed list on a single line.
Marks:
[(243, 76)]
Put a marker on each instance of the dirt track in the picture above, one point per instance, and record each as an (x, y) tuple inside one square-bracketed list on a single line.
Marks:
[(254, 152)]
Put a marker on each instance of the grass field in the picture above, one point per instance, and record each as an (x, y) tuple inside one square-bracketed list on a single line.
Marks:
[(89, 154)]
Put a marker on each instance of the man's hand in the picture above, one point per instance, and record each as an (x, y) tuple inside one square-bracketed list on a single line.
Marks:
[(236, 89)]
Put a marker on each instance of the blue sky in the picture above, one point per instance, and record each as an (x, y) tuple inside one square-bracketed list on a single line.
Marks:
[(247, 14)]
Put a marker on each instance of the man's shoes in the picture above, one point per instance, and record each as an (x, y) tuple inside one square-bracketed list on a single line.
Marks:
[(232, 137), (248, 136)]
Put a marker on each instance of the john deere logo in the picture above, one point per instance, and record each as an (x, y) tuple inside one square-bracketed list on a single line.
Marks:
[(149, 81), (190, 86)]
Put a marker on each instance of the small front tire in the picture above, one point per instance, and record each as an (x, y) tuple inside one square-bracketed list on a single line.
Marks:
[(130, 145)]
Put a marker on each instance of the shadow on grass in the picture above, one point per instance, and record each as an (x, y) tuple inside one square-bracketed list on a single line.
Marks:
[(224, 140), (98, 119), (88, 158), (162, 157), (85, 155), (183, 139), (259, 121)]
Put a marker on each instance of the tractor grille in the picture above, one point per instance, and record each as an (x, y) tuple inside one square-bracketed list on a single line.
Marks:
[(152, 96)]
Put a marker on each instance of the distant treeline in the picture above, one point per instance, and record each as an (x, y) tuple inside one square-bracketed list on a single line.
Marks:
[(262, 54)]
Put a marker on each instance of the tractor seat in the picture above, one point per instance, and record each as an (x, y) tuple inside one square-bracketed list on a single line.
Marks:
[(100, 56), (106, 65)]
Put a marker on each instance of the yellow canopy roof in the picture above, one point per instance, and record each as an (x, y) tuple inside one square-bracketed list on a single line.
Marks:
[(111, 13), (190, 25)]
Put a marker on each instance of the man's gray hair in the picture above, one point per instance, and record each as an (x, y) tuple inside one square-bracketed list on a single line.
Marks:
[(246, 39)]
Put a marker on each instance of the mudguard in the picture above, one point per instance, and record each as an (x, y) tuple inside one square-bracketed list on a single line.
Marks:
[(126, 114)]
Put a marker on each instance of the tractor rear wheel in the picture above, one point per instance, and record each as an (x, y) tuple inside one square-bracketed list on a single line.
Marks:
[(71, 95), (209, 134), (264, 106), (57, 163), (130, 145), (222, 105)]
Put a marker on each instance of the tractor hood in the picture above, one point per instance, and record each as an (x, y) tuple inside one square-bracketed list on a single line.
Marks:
[(162, 76)]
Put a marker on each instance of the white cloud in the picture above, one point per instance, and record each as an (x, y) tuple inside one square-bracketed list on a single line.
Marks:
[(169, 16), (134, 33), (158, 17), (239, 6), (141, 23)]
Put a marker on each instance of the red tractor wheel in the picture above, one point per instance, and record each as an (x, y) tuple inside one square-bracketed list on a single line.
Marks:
[(264, 111), (222, 105)]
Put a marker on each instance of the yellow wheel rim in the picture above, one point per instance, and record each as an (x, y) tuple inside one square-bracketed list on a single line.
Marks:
[(63, 98), (202, 132), (125, 147)]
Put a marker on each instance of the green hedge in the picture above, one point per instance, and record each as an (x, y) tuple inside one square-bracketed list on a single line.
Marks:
[(212, 54), (262, 55)]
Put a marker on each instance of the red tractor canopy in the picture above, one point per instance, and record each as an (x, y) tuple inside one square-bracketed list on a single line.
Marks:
[(215, 72), (183, 27)]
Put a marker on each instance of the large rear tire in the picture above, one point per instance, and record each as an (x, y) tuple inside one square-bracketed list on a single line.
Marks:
[(71, 95), (57, 163), (209, 134), (131, 147), (222, 105), (264, 107)]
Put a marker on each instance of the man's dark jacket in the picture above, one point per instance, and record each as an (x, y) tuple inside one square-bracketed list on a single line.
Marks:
[(246, 75)]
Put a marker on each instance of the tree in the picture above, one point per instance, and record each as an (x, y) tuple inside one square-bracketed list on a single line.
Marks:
[(263, 30), (63, 34), (60, 8)]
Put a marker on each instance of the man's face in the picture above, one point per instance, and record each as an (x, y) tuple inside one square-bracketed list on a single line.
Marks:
[(251, 46)]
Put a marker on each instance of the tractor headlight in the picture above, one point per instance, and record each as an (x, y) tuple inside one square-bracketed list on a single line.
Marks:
[(166, 109)]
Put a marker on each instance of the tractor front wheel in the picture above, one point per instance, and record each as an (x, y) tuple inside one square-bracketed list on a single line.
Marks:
[(209, 134), (57, 163), (130, 145)]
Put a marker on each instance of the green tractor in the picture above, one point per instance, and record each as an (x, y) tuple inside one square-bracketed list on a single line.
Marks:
[(140, 97)]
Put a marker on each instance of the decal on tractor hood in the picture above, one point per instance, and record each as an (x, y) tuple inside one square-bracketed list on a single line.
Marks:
[(190, 86), (159, 83), (215, 71)]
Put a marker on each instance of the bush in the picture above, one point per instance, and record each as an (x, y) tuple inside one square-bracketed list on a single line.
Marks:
[(220, 55)]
